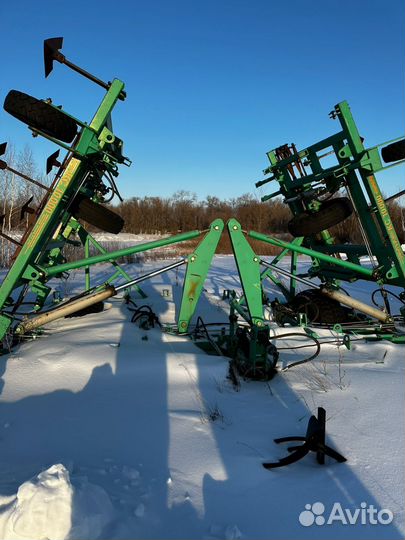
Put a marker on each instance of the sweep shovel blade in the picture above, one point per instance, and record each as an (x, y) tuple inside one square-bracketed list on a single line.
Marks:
[(51, 51), (26, 209), (3, 164), (52, 161)]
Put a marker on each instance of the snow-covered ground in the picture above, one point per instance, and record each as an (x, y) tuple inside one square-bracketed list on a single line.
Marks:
[(101, 237), (109, 431)]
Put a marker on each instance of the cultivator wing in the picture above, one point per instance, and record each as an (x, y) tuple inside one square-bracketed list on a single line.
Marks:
[(314, 192), (85, 179), (320, 198)]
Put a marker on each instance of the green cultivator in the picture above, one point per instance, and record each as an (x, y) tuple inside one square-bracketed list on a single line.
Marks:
[(86, 179), (321, 198)]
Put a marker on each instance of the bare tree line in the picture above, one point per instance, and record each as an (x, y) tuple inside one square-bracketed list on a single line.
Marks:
[(164, 215), (182, 212)]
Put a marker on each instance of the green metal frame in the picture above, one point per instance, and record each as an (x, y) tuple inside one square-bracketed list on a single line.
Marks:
[(248, 265), (96, 148), (302, 181), (354, 171), (198, 264)]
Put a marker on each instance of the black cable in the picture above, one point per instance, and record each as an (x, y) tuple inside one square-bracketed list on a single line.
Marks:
[(305, 360), (344, 290), (386, 292), (140, 311), (129, 301), (145, 312), (316, 343), (114, 187), (297, 347)]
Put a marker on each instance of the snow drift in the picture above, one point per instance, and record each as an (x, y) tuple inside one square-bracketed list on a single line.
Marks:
[(54, 507)]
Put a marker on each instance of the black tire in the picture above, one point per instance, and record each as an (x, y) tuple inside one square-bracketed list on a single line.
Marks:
[(319, 308), (330, 213), (101, 217), (394, 151), (40, 115)]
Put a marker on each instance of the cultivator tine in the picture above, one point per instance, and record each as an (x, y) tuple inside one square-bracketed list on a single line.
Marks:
[(4, 165), (52, 161), (9, 239), (314, 441), (26, 209), (52, 52)]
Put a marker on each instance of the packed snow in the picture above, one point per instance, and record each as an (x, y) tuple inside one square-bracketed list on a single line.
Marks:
[(111, 431), (51, 506)]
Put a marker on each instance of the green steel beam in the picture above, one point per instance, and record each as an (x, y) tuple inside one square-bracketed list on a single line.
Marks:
[(248, 265), (113, 255), (311, 253), (198, 264)]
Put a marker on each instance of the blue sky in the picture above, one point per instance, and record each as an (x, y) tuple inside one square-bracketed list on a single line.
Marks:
[(212, 85)]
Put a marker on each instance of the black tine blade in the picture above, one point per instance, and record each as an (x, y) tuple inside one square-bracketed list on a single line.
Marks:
[(51, 49), (3, 147), (26, 209), (52, 161), (291, 458)]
